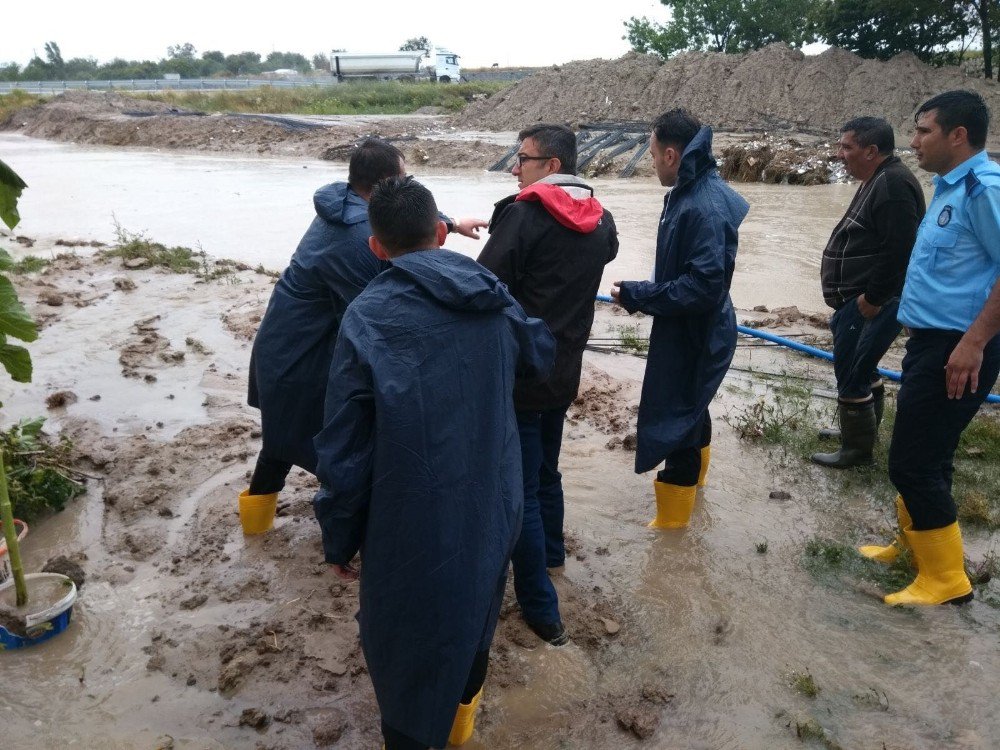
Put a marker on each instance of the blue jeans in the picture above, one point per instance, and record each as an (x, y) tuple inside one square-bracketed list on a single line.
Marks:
[(929, 425), (859, 344), (540, 544)]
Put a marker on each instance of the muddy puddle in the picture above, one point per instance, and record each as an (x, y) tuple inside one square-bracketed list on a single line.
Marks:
[(189, 635)]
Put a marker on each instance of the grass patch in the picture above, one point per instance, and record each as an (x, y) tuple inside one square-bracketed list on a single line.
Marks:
[(829, 560), (761, 547), (29, 264), (786, 416), (804, 683), (631, 339), (15, 100), (136, 246), (352, 98), (136, 250), (810, 730)]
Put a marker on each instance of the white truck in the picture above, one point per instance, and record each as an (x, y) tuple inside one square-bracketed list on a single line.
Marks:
[(403, 64)]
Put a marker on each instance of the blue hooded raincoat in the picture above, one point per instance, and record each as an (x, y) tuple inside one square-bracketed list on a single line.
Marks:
[(694, 326), (421, 462), (290, 361)]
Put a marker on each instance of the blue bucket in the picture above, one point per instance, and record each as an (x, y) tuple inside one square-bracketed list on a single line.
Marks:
[(43, 625)]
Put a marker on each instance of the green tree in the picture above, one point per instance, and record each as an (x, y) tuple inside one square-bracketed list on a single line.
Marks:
[(724, 25), (54, 59), (884, 28), (321, 61), (214, 56), (245, 63), (416, 43), (292, 60), (184, 51)]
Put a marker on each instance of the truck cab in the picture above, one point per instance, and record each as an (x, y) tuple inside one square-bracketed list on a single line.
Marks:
[(446, 66)]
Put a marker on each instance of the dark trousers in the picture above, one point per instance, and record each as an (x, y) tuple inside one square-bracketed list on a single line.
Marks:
[(683, 466), (929, 425), (540, 544), (477, 676), (859, 344), (268, 475)]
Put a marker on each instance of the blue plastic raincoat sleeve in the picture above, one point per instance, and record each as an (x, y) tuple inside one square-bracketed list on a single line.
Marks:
[(345, 449), (536, 345), (701, 285)]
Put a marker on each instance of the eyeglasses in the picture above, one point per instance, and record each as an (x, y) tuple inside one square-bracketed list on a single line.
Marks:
[(521, 158)]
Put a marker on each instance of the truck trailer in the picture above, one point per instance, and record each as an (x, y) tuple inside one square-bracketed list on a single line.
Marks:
[(393, 65)]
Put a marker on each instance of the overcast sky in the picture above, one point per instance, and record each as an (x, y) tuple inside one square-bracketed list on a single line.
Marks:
[(516, 32)]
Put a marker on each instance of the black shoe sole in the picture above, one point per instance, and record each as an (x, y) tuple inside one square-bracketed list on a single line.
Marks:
[(962, 599)]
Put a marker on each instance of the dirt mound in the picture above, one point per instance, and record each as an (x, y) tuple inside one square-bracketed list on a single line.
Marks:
[(771, 88)]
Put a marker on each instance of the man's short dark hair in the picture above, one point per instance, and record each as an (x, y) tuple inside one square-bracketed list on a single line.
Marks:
[(960, 109), (872, 131), (403, 215), (676, 128), (554, 140), (373, 160)]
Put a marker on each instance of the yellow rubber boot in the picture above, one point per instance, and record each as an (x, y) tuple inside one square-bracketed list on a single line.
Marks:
[(465, 721), (257, 511), (891, 551), (673, 505), (941, 575), (706, 456)]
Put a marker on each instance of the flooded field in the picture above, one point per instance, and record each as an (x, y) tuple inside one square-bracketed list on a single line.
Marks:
[(694, 640), (255, 210)]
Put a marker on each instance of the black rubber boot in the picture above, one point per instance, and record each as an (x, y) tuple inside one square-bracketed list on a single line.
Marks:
[(878, 393), (857, 424)]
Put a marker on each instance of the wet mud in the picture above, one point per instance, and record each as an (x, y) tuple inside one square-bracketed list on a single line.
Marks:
[(190, 635)]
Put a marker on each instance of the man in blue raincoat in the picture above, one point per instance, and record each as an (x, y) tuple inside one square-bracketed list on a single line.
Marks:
[(291, 353), (694, 327), (419, 454)]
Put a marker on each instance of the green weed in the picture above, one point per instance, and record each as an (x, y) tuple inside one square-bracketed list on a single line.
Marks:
[(631, 338), (761, 547), (831, 560), (29, 264), (38, 478), (804, 683)]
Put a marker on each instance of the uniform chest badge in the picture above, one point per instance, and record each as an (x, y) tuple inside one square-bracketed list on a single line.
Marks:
[(944, 218)]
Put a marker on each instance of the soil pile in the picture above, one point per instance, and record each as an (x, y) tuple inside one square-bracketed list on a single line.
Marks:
[(772, 88)]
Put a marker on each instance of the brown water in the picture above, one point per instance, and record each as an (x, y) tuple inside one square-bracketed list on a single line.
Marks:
[(717, 625), (255, 210)]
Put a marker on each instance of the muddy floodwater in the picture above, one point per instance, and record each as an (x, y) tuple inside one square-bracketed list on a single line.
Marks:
[(255, 210), (189, 635)]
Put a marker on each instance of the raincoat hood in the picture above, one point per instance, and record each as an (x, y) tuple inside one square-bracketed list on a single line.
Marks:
[(339, 204), (696, 159), (454, 281), (568, 199)]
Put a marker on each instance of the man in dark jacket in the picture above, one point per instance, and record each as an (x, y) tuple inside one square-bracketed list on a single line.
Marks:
[(694, 327), (549, 244), (864, 265), (419, 454), (291, 353)]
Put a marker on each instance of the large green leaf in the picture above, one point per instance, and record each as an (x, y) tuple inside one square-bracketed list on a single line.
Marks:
[(14, 319), (16, 361), (6, 262), (10, 190)]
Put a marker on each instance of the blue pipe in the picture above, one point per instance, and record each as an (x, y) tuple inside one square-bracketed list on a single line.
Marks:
[(806, 349)]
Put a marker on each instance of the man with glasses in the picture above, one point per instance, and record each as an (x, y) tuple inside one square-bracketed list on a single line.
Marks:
[(549, 244)]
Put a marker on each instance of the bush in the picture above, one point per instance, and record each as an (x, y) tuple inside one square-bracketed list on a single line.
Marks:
[(37, 478)]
